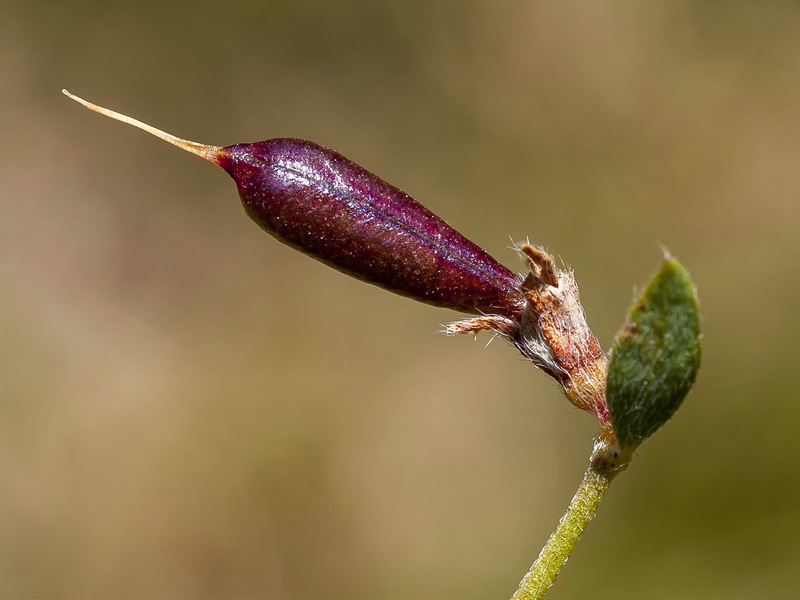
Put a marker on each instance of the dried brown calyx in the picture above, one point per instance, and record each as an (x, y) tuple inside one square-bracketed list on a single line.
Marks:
[(551, 332)]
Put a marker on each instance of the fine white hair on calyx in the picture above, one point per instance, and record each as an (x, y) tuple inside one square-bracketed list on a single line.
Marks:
[(535, 347)]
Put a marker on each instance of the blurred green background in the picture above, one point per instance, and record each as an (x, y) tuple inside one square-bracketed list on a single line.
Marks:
[(189, 409)]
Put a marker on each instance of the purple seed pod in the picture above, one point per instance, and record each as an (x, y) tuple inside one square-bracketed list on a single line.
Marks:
[(319, 202)]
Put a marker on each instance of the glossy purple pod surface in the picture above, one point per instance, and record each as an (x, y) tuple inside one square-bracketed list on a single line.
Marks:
[(325, 205)]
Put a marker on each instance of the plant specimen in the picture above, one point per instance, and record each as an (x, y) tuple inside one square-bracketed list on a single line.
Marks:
[(326, 206)]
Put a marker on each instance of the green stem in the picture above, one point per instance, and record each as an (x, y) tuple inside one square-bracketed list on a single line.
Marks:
[(562, 541)]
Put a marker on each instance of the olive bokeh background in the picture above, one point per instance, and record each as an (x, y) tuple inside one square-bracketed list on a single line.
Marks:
[(190, 409)]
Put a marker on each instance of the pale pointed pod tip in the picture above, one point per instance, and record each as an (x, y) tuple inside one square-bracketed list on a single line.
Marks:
[(210, 153)]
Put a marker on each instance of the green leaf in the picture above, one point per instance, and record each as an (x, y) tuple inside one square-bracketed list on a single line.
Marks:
[(655, 358)]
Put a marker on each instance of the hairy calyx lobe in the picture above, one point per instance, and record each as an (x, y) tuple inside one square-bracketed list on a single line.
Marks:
[(323, 204), (553, 334)]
